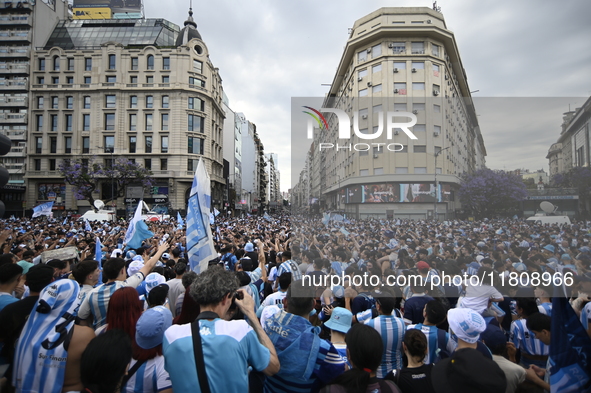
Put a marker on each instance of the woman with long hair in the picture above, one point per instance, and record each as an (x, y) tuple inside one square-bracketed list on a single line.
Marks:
[(364, 350), (123, 312), (416, 377), (189, 310)]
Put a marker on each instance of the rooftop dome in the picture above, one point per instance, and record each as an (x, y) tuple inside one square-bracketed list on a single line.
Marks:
[(189, 31)]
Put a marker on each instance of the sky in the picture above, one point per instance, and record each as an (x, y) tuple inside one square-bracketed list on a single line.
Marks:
[(529, 60)]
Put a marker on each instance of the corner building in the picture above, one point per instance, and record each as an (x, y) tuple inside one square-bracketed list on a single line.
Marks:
[(399, 60), (142, 89)]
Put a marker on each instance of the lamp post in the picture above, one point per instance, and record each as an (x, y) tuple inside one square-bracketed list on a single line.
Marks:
[(437, 185)]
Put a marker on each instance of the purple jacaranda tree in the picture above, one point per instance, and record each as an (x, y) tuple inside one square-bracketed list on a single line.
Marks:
[(85, 176), (488, 193)]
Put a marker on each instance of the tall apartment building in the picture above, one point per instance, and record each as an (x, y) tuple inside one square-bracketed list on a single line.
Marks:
[(232, 147), (397, 60), (142, 89), (24, 25), (273, 190)]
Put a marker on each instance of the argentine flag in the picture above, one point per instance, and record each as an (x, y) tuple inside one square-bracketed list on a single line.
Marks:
[(199, 238), (179, 220), (43, 209), (87, 226), (98, 255), (137, 231)]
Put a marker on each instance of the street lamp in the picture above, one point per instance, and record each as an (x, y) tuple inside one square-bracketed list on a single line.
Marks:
[(437, 185)]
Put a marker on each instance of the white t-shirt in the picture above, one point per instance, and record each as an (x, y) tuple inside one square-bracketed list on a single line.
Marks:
[(477, 297)]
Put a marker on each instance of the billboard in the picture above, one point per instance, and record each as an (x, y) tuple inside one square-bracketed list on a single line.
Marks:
[(92, 13), (119, 6), (395, 192)]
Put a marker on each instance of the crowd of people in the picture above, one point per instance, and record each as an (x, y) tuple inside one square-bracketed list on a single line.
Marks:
[(289, 304)]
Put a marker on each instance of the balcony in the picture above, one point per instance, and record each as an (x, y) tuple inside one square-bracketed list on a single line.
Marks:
[(13, 117), (20, 51), (14, 101), (14, 68), (13, 85), (18, 4), (15, 134), (15, 36), (15, 20)]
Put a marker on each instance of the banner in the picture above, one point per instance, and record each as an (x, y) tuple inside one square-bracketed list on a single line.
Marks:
[(43, 209)]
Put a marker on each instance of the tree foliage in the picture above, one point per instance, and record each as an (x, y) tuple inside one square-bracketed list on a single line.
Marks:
[(488, 193), (85, 176), (578, 178)]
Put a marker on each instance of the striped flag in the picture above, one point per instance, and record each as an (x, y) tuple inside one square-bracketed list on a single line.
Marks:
[(137, 217), (199, 238), (98, 256), (43, 209), (179, 220), (87, 226)]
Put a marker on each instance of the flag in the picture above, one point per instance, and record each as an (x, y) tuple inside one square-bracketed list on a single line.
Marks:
[(199, 238), (98, 256), (137, 231), (87, 226), (211, 219), (337, 217), (179, 220), (43, 209), (65, 221), (267, 217), (215, 212), (570, 350), (325, 218), (344, 231)]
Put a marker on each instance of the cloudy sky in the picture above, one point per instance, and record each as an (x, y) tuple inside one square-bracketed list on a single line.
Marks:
[(534, 52)]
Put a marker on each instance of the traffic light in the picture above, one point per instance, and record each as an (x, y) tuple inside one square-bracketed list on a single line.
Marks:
[(5, 145)]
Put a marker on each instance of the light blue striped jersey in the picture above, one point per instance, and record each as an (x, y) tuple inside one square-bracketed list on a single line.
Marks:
[(150, 377), (292, 267), (392, 330), (524, 339), (546, 309), (586, 316), (229, 347), (433, 344)]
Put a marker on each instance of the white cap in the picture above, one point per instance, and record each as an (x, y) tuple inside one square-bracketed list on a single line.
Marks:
[(467, 324), (134, 267), (153, 280)]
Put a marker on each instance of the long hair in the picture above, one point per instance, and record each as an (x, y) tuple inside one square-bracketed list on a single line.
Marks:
[(189, 311), (365, 347), (416, 343), (125, 308)]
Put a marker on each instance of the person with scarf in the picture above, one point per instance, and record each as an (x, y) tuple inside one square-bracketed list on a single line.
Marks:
[(49, 349)]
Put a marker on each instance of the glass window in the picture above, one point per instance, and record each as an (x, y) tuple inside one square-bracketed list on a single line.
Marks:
[(40, 102), (150, 62), (132, 122), (196, 123), (363, 93), (86, 102), (70, 64), (70, 102), (400, 107), (420, 170), (420, 149), (56, 63), (112, 62), (376, 88), (164, 164), (133, 79), (196, 82), (132, 143), (399, 47), (378, 149), (164, 122), (110, 101), (419, 128), (436, 69), (149, 79), (69, 80), (41, 65), (377, 108), (197, 66), (164, 144), (400, 65), (148, 164), (435, 50), (37, 164), (196, 103), (165, 79), (192, 164), (53, 144), (133, 102), (437, 130), (195, 145), (165, 102), (362, 73), (148, 144), (436, 108), (87, 80), (149, 101), (364, 172), (418, 106), (111, 79), (85, 144), (53, 124), (417, 48), (52, 164), (149, 121), (436, 89), (38, 145), (109, 144), (378, 171), (134, 63), (400, 88), (68, 144), (41, 80), (86, 122), (166, 63), (376, 68), (361, 56), (401, 169), (418, 65), (87, 64), (109, 121), (376, 50), (54, 102), (68, 121), (418, 85)]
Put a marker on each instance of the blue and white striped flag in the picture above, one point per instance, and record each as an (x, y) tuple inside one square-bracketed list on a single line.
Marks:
[(137, 217), (87, 226), (98, 256), (211, 219), (65, 221), (43, 209), (215, 212), (179, 220), (199, 238), (267, 217)]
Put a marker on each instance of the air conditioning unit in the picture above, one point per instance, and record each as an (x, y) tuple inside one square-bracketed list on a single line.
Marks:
[(415, 112), (435, 93), (396, 132), (375, 156), (401, 51), (429, 21), (359, 79), (364, 116), (446, 77), (435, 133), (414, 70), (390, 45), (395, 69), (395, 91), (368, 84)]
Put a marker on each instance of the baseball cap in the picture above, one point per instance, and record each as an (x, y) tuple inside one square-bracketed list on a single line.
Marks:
[(467, 324), (117, 253), (422, 265), (134, 267), (479, 258), (340, 320), (150, 327), (249, 247), (462, 372), (153, 280), (166, 256)]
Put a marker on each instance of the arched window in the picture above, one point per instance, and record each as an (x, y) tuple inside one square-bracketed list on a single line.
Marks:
[(150, 62), (56, 63)]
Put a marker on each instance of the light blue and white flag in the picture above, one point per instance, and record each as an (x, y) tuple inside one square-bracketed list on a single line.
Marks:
[(43, 209), (211, 219), (267, 217), (215, 212), (137, 217), (326, 218), (344, 231), (87, 226), (179, 220), (98, 256), (65, 221), (199, 238), (337, 217)]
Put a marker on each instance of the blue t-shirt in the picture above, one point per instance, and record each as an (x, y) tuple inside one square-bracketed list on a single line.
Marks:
[(413, 309), (6, 299), (229, 347)]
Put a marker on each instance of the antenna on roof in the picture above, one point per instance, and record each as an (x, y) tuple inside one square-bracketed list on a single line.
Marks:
[(435, 8)]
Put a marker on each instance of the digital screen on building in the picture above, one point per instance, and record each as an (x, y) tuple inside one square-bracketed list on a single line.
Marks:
[(114, 5), (395, 193)]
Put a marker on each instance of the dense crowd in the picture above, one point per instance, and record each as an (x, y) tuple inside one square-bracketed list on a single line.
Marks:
[(290, 304)]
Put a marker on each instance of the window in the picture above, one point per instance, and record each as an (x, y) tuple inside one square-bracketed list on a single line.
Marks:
[(363, 93), (436, 108), (53, 144), (37, 164), (361, 56), (69, 80), (166, 63), (400, 107), (377, 108), (437, 130), (54, 102), (41, 65), (418, 106), (362, 73), (376, 89), (53, 123), (87, 64), (148, 164), (376, 51), (165, 79), (196, 82), (196, 103), (150, 79), (435, 50), (150, 62), (436, 69), (436, 89), (133, 102), (149, 121), (85, 144), (196, 123), (198, 66), (68, 122), (165, 100), (362, 112), (418, 65), (400, 88), (378, 150), (148, 144), (364, 152), (164, 144), (149, 101), (112, 62), (108, 163), (109, 121), (420, 149), (86, 122), (70, 64), (52, 164), (133, 122), (399, 47), (437, 149), (420, 170), (86, 102), (56, 63), (134, 63), (41, 80), (376, 68), (132, 143), (39, 102), (111, 79), (69, 102), (87, 80), (110, 101), (192, 164), (400, 65), (378, 171), (417, 48), (38, 144), (109, 144), (164, 164), (68, 144), (195, 145), (364, 172), (133, 79), (418, 85), (164, 121), (419, 128)]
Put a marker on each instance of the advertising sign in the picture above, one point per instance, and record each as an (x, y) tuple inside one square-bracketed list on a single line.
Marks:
[(92, 13), (114, 5), (396, 192)]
